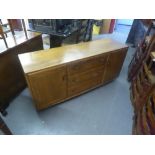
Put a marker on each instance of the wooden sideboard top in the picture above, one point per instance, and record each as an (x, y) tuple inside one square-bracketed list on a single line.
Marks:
[(19, 39), (35, 61)]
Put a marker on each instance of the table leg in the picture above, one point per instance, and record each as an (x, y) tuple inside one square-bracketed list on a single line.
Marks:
[(4, 127)]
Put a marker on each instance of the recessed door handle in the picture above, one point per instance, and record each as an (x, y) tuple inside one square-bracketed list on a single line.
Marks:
[(64, 77)]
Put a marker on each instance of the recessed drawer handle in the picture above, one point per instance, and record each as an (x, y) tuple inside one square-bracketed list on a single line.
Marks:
[(75, 80), (76, 67), (95, 74), (64, 77), (73, 90), (102, 60)]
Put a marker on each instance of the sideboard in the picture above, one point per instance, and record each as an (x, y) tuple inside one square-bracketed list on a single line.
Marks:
[(58, 74)]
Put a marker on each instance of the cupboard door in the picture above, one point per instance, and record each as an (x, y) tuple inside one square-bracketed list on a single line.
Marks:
[(114, 65), (48, 86)]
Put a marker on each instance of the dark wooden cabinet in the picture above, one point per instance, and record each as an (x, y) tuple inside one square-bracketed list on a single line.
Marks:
[(12, 80)]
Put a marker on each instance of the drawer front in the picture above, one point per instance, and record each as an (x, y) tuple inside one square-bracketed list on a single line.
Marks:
[(92, 74), (84, 81), (83, 65), (83, 86)]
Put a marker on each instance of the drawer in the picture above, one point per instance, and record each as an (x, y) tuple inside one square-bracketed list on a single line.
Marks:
[(83, 65), (76, 79), (84, 86)]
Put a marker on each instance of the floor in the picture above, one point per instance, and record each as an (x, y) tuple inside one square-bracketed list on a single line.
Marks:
[(106, 110), (120, 33)]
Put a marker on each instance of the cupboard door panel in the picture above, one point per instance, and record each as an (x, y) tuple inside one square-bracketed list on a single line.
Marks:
[(48, 86), (114, 65)]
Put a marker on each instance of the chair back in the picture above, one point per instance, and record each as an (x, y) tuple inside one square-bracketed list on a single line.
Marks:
[(2, 36)]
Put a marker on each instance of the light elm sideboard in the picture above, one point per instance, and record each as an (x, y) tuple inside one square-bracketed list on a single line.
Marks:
[(58, 74)]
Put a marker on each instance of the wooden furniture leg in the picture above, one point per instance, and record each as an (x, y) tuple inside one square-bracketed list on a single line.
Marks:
[(4, 127), (11, 27), (24, 26), (3, 37), (12, 30)]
